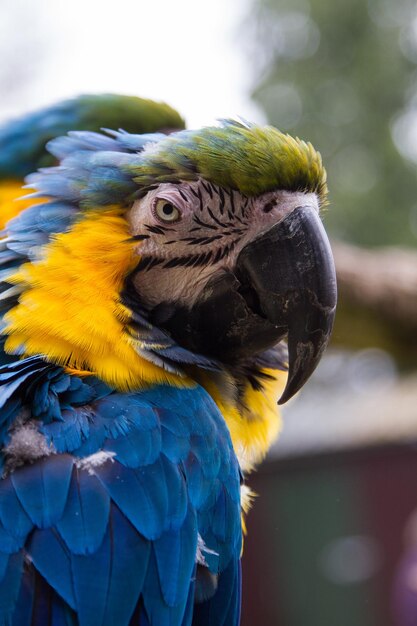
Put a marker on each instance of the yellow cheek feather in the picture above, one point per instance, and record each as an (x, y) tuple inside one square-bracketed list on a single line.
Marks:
[(70, 309), (11, 202), (255, 422)]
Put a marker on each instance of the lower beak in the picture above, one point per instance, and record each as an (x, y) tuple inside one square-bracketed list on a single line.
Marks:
[(290, 272)]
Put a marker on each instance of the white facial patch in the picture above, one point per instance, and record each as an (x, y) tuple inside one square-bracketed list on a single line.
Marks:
[(178, 257)]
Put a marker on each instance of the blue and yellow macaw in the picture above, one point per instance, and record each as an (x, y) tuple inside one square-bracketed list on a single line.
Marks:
[(146, 295)]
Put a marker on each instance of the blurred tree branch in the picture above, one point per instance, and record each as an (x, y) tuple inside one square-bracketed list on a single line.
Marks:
[(377, 299)]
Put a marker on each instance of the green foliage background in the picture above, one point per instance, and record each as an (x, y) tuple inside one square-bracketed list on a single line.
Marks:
[(343, 74)]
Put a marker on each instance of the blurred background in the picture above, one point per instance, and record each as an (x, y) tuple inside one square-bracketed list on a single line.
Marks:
[(336, 522), (333, 534)]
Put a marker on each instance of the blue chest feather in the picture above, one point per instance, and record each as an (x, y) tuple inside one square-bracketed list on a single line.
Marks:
[(114, 507)]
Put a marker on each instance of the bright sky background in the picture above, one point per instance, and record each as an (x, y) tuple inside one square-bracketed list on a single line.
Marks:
[(186, 52)]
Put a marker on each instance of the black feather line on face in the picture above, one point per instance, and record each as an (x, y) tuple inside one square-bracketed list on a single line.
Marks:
[(221, 196), (143, 263), (200, 198), (199, 260), (138, 238), (208, 188), (194, 260), (212, 238), (232, 202), (218, 255), (203, 224), (200, 240), (214, 218), (193, 241), (188, 261), (175, 262), (155, 261), (141, 193), (158, 230), (240, 220), (226, 250), (190, 239), (244, 206)]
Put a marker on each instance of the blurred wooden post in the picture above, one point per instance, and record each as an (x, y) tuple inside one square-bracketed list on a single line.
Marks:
[(377, 300)]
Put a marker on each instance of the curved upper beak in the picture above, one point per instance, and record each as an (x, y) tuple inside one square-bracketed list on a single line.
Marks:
[(290, 271), (283, 284)]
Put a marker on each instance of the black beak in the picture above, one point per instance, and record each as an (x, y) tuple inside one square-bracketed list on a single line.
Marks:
[(290, 268), (283, 284)]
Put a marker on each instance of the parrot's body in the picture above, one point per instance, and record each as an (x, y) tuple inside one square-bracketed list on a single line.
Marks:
[(140, 374)]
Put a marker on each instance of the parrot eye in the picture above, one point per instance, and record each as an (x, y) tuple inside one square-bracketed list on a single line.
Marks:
[(166, 211)]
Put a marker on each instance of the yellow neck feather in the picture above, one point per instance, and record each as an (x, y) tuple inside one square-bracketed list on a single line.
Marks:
[(254, 422), (11, 202), (70, 310)]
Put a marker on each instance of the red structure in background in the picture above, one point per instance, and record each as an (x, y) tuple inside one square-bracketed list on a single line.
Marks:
[(326, 536)]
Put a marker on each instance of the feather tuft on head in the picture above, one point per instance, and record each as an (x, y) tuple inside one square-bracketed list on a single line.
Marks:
[(98, 170)]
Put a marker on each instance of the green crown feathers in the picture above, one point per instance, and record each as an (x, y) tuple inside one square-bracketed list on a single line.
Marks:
[(251, 159), (98, 170)]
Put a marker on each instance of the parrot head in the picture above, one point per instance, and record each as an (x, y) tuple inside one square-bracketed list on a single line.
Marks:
[(233, 254), (229, 253)]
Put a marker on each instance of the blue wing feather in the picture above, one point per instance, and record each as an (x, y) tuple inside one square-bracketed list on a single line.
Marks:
[(85, 518), (158, 611), (13, 517), (175, 554), (52, 559), (9, 588), (10, 543), (108, 583), (175, 447), (130, 563), (138, 447), (115, 535), (42, 488), (72, 432), (152, 497), (199, 487)]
